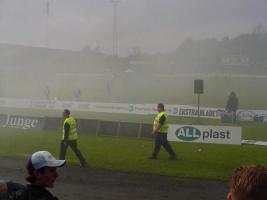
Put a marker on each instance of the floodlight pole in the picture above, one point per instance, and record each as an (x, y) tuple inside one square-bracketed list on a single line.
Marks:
[(115, 27), (1, 9), (47, 23)]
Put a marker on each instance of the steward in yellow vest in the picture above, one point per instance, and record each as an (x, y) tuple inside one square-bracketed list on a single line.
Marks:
[(160, 124), (72, 133), (69, 138), (160, 130)]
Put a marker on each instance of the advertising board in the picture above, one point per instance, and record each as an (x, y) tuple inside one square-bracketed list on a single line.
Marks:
[(205, 134)]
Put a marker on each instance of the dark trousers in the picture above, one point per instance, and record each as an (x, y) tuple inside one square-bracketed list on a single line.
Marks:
[(73, 145), (161, 140)]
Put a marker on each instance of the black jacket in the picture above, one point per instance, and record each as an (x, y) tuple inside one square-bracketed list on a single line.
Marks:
[(32, 192)]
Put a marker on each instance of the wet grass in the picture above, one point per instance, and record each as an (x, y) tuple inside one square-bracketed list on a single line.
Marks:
[(205, 161)]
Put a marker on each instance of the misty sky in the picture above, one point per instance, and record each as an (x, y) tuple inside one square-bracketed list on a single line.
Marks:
[(153, 25)]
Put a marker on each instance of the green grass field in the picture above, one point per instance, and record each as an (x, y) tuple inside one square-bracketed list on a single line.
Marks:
[(144, 88), (131, 155)]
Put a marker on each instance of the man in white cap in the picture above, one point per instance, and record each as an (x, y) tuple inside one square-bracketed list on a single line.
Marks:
[(42, 173)]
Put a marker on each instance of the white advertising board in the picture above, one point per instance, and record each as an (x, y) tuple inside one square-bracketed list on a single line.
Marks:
[(141, 109), (21, 122), (205, 134)]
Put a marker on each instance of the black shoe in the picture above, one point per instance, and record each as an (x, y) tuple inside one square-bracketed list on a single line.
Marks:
[(172, 158), (153, 158)]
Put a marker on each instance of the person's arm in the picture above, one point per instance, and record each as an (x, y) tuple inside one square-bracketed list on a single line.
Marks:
[(161, 122), (3, 190), (13, 186), (17, 191), (66, 132), (7, 189)]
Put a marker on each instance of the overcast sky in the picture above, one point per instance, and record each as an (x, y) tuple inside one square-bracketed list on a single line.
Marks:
[(153, 25)]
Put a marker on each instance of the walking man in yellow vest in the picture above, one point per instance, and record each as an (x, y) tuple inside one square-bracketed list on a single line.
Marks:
[(69, 138), (160, 130)]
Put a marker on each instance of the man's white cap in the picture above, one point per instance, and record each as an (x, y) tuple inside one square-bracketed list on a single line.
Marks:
[(45, 159)]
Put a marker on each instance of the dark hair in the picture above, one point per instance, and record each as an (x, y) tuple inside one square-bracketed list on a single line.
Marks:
[(30, 169), (249, 182), (67, 111), (161, 105)]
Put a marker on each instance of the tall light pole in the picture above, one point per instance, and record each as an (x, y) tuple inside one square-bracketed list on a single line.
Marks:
[(115, 27), (1, 9), (47, 23)]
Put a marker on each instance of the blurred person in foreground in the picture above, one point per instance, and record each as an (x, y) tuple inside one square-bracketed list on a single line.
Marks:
[(232, 105), (70, 137), (160, 130), (8, 187), (42, 174), (248, 182)]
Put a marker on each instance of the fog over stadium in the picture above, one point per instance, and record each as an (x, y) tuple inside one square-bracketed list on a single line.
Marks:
[(152, 25), (125, 51), (110, 76)]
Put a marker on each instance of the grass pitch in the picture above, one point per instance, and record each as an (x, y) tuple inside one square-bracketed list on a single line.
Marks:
[(207, 161)]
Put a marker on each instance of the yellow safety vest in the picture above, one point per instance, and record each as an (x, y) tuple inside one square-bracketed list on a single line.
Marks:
[(73, 135), (165, 127)]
